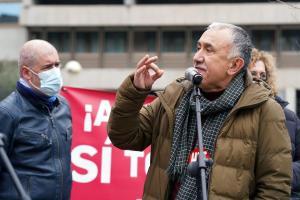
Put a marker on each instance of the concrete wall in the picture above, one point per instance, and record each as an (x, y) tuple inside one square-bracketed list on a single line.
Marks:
[(162, 15), (12, 37)]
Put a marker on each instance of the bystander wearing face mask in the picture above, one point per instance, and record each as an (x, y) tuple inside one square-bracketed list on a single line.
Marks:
[(50, 81)]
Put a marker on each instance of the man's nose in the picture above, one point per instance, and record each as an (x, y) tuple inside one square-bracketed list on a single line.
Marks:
[(198, 57)]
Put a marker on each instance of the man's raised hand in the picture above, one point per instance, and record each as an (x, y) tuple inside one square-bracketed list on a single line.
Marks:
[(147, 72)]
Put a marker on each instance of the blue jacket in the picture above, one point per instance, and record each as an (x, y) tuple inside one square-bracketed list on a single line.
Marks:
[(293, 126), (38, 145)]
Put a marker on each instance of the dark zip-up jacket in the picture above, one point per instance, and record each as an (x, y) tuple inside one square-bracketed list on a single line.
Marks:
[(38, 145), (293, 125)]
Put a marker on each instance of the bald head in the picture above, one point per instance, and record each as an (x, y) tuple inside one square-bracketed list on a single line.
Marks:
[(33, 50)]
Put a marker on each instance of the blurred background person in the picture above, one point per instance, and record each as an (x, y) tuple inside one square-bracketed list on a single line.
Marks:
[(263, 67)]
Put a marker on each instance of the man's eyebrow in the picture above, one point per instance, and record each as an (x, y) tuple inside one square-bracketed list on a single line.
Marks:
[(206, 44), (46, 66)]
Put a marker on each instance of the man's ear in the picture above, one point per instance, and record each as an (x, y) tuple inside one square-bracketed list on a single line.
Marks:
[(236, 66), (25, 73)]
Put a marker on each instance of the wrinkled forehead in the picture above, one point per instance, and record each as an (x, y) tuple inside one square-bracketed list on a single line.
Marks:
[(47, 57), (218, 38)]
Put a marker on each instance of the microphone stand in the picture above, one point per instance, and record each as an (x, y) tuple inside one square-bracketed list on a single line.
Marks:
[(11, 170), (198, 168), (201, 157)]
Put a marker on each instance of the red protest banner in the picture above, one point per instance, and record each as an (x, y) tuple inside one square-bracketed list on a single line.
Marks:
[(99, 170)]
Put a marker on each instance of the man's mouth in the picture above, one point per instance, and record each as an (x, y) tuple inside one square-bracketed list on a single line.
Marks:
[(200, 69)]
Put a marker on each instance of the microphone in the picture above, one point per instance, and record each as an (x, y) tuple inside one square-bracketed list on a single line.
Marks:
[(192, 75)]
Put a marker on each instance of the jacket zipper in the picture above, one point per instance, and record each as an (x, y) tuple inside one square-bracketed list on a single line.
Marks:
[(58, 148)]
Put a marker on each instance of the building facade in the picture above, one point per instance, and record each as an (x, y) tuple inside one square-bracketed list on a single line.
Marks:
[(107, 37)]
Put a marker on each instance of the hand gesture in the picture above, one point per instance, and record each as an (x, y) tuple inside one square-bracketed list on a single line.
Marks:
[(146, 73)]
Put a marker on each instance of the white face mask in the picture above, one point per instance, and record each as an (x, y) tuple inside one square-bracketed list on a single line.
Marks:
[(50, 81)]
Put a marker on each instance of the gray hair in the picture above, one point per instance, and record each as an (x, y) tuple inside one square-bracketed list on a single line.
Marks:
[(242, 44)]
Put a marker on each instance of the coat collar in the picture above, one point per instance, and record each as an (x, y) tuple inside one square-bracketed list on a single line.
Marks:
[(41, 102), (255, 93)]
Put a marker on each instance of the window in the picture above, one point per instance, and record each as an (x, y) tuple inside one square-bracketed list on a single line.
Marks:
[(61, 40), (173, 41), (290, 40), (264, 39), (195, 37), (87, 42), (145, 41), (36, 35), (10, 12), (115, 42)]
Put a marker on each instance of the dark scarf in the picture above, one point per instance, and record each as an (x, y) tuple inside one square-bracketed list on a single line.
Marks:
[(40, 101), (185, 132)]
